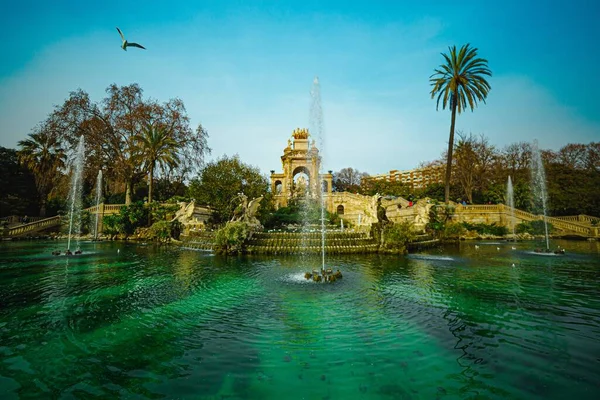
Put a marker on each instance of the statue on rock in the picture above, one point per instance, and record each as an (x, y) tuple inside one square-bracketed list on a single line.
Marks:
[(422, 208), (246, 211)]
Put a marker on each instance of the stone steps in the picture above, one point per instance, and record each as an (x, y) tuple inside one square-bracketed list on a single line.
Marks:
[(348, 249)]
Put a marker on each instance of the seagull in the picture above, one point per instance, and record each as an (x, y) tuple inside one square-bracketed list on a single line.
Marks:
[(476, 247), (498, 248), (126, 44), (514, 248)]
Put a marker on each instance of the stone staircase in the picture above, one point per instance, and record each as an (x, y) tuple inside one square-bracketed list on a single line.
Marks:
[(31, 228), (310, 243), (204, 241), (13, 228), (422, 241)]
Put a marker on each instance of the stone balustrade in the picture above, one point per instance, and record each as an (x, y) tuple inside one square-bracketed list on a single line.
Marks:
[(32, 226)]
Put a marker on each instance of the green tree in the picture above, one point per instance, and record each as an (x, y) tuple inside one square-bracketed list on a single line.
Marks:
[(221, 180), (112, 129), (45, 157), (157, 147), (458, 83), (18, 195), (384, 187), (348, 180)]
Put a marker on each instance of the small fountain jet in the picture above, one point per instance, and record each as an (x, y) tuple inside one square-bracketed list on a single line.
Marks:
[(127, 44)]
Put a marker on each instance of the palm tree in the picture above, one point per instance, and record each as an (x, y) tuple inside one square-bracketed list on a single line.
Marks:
[(44, 156), (459, 82), (157, 146)]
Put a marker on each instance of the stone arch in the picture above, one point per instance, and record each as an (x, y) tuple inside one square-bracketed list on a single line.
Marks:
[(301, 169), (324, 186), (301, 180), (278, 186), (340, 210)]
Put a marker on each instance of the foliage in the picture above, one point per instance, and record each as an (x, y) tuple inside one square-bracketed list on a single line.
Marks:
[(160, 212), (112, 224), (533, 227), (17, 196), (112, 129), (56, 206), (486, 229), (371, 187), (459, 82), (157, 146), (231, 238), (219, 183), (348, 180), (163, 231), (473, 160), (177, 199), (43, 154), (453, 230), (298, 213), (439, 215), (127, 220), (397, 236)]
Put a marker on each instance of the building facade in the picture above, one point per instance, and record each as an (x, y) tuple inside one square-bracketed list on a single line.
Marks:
[(300, 163), (417, 178)]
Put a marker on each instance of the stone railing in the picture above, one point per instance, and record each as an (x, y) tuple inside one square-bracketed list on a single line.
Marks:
[(581, 218), (32, 226), (480, 208), (575, 224), (105, 208)]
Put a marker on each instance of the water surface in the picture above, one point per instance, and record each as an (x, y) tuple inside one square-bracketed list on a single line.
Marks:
[(136, 321)]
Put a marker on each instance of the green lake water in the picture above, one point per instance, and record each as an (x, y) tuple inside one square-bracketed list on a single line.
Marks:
[(143, 322)]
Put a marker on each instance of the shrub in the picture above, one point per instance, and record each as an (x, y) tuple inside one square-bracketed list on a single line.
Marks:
[(397, 236), (178, 199), (127, 220), (439, 215), (453, 230), (160, 212), (163, 231), (231, 238), (297, 213), (112, 224), (533, 227), (486, 229), (160, 231)]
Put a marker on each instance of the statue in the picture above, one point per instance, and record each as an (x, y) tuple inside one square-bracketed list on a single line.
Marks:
[(185, 212), (371, 211), (246, 212), (381, 213), (300, 133), (422, 208)]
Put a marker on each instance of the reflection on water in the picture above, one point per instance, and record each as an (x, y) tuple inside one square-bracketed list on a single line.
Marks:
[(471, 320)]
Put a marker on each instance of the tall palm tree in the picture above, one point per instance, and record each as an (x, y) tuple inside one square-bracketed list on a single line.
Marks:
[(44, 156), (157, 147), (459, 82)]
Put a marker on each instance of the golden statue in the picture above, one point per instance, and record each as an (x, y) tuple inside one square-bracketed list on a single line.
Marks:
[(300, 133)]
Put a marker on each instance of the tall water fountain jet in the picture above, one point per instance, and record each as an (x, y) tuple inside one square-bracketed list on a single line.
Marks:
[(510, 201), (316, 127), (75, 192), (538, 184), (98, 199)]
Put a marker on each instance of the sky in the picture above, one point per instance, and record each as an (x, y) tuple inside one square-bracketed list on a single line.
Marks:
[(244, 70)]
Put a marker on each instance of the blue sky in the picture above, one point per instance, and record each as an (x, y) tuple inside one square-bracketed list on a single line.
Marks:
[(244, 70)]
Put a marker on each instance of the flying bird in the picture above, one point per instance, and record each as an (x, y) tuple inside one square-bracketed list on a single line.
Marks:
[(126, 44)]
